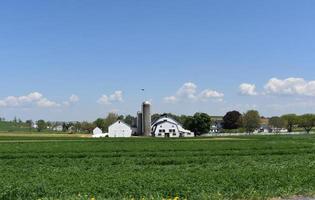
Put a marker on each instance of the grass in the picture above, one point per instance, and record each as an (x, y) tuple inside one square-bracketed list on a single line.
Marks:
[(251, 167)]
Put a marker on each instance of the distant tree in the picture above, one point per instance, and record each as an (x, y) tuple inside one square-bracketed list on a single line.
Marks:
[(307, 122), (251, 121), (29, 124), (121, 117), (100, 123), (232, 120), (86, 126), (110, 119), (199, 123), (277, 122), (130, 120), (290, 120), (155, 117), (77, 127), (41, 125), (66, 126)]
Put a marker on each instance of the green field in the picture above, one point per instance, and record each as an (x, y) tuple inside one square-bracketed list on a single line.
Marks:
[(252, 167)]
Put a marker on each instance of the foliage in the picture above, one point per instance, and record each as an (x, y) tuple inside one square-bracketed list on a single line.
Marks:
[(199, 123), (277, 122), (291, 120), (232, 120), (251, 121), (41, 125), (307, 122), (130, 120), (253, 167)]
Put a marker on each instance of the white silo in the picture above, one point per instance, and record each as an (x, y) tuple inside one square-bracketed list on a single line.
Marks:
[(146, 118)]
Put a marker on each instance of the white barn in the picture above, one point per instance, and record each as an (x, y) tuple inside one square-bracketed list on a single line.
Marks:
[(168, 127), (119, 129), (98, 133)]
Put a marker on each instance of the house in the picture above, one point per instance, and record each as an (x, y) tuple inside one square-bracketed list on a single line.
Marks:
[(119, 129), (58, 128), (169, 128), (98, 133)]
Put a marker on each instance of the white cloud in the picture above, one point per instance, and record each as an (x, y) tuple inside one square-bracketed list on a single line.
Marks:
[(248, 89), (45, 103), (290, 86), (206, 94), (117, 96), (170, 99), (34, 98), (74, 98), (189, 92)]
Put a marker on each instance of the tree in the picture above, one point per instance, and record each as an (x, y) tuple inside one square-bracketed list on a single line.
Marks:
[(100, 123), (232, 120), (130, 120), (199, 123), (41, 125), (290, 120), (155, 117), (277, 123), (307, 122), (29, 124), (86, 126), (109, 120), (251, 121)]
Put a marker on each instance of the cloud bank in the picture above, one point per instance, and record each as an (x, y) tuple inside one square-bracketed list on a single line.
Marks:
[(188, 91), (117, 96), (33, 98)]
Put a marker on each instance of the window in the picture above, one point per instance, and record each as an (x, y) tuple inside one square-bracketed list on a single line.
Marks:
[(159, 134), (174, 134)]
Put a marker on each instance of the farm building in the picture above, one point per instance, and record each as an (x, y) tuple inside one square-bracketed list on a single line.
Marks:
[(168, 127), (119, 129), (58, 128), (98, 133)]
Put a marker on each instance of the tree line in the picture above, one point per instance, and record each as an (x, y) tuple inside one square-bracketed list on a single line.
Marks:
[(198, 123)]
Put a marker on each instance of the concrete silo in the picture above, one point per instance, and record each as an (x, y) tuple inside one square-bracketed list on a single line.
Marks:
[(146, 118), (139, 123)]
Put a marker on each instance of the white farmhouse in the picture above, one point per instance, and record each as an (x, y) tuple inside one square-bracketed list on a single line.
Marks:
[(119, 129), (98, 133), (168, 127), (58, 128)]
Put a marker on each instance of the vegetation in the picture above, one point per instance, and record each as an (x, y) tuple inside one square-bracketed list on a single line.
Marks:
[(232, 120), (251, 121), (252, 167), (307, 122)]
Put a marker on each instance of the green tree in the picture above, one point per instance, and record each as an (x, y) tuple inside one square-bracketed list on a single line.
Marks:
[(130, 120), (100, 123), (41, 125), (86, 126), (29, 124), (307, 122), (277, 123), (251, 121), (199, 123), (232, 120), (110, 119), (290, 120)]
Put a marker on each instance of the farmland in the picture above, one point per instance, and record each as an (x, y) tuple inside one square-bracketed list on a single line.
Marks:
[(252, 167)]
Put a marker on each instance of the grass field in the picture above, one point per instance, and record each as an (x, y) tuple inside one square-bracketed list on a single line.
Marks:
[(252, 167)]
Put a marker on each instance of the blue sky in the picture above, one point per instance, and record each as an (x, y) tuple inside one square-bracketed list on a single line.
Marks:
[(189, 56)]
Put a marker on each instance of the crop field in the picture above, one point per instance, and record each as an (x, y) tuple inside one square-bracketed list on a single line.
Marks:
[(251, 167)]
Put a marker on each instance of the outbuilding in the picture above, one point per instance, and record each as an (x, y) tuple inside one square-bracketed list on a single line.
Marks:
[(119, 129), (98, 133)]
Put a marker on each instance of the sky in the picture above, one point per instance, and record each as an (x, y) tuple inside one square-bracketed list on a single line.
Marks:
[(79, 59)]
